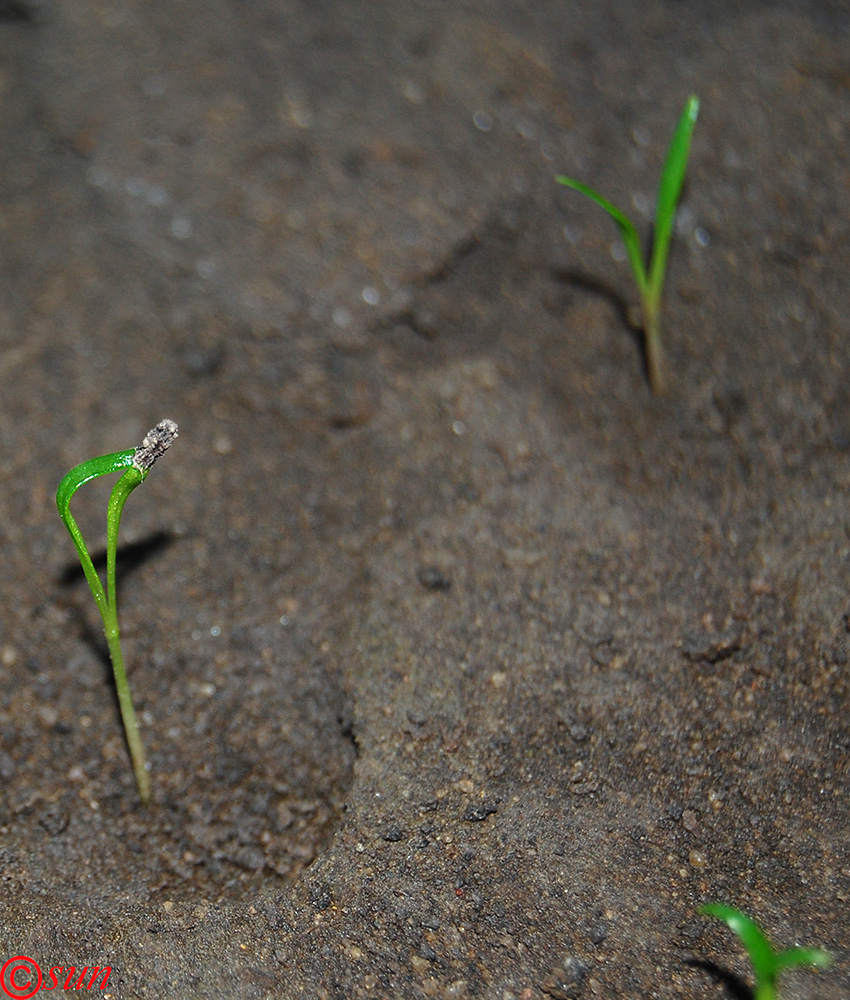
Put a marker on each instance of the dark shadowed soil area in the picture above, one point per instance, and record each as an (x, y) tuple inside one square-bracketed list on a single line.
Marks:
[(465, 666)]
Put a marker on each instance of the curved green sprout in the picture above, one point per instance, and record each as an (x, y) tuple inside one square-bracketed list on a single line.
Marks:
[(650, 282), (137, 462), (767, 963)]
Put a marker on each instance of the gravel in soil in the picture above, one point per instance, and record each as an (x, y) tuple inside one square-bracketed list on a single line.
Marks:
[(465, 667)]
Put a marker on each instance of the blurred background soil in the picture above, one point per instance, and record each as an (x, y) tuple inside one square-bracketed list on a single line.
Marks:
[(466, 668)]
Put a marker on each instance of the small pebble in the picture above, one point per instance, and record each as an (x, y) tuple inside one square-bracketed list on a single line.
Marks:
[(433, 578), (54, 819)]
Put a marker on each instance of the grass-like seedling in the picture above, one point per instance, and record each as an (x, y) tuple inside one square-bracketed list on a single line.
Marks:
[(650, 280), (137, 462), (767, 963)]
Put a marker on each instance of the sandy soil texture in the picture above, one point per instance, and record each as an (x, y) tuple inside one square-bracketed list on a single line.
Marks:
[(466, 667)]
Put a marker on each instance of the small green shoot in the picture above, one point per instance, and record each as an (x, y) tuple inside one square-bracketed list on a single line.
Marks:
[(767, 963), (650, 282), (137, 462)]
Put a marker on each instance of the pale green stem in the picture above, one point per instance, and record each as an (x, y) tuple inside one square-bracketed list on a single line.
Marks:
[(652, 344), (122, 489)]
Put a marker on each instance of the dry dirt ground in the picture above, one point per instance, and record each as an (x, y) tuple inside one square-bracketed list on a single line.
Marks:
[(466, 668)]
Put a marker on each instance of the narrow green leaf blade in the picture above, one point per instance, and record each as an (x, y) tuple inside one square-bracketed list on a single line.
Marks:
[(792, 958), (669, 190), (760, 951), (71, 482), (628, 232), (86, 471)]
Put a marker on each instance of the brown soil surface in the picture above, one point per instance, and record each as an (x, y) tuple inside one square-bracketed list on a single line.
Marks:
[(466, 667)]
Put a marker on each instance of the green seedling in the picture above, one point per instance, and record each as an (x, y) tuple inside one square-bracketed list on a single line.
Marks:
[(137, 462), (767, 963), (650, 281)]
